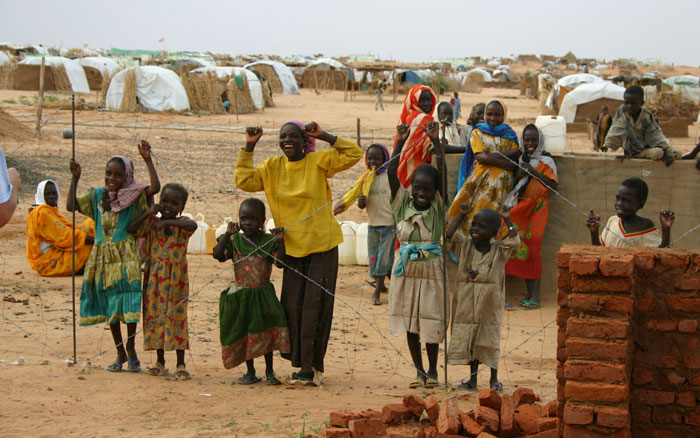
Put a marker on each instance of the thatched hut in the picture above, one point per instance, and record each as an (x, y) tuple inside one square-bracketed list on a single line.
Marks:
[(326, 74), (59, 74), (247, 82), (148, 87), (98, 70), (278, 75)]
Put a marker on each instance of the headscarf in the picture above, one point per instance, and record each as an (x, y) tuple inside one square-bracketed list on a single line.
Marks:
[(539, 156), (363, 183), (467, 165), (417, 149), (39, 195), (129, 191), (310, 141)]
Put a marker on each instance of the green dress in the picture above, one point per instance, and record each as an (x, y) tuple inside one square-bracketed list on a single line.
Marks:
[(111, 289), (252, 320)]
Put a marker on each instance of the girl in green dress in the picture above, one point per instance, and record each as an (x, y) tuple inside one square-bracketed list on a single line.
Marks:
[(111, 289)]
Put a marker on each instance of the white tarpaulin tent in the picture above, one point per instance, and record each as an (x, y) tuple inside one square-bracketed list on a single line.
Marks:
[(106, 66), (585, 93), (484, 74), (226, 73), (75, 72), (284, 73), (572, 81), (157, 89), (687, 80), (4, 59)]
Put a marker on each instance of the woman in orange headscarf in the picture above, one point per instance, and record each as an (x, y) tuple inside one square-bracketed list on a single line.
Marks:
[(417, 111)]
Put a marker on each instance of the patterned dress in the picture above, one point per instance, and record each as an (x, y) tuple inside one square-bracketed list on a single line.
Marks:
[(166, 287), (252, 320), (111, 289)]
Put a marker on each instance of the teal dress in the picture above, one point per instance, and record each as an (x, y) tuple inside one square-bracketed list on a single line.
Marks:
[(111, 289)]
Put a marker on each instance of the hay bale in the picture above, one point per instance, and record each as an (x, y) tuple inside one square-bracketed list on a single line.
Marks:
[(12, 129), (129, 103), (7, 76), (203, 92), (239, 98), (272, 78)]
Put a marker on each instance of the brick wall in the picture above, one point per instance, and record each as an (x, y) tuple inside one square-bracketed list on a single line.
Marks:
[(628, 343)]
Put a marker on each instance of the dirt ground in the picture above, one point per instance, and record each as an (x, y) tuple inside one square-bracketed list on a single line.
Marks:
[(367, 367)]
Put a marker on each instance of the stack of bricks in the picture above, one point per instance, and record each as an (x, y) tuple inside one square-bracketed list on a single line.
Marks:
[(628, 360)]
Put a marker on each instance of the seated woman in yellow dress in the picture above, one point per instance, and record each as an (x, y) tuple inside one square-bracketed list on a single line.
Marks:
[(49, 236)]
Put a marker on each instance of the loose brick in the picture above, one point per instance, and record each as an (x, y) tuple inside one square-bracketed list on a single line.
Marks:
[(595, 349), (642, 376), (612, 417), (553, 433), (599, 328), (432, 408), (337, 432), (562, 298), (645, 303), (525, 417), (660, 325), (673, 379), (686, 399), (654, 398), (561, 373), (693, 419), (596, 371), (488, 417), (342, 418), (578, 414), (614, 303), (485, 435), (414, 404), (688, 325), (681, 304), (397, 435), (396, 413), (523, 395), (546, 423), (591, 283), (596, 391), (448, 421), (666, 415), (551, 408), (562, 316), (445, 435), (644, 261), (470, 426), (563, 259), (490, 399), (583, 265), (563, 279), (367, 428), (372, 413), (617, 267), (507, 420), (688, 282), (672, 261)]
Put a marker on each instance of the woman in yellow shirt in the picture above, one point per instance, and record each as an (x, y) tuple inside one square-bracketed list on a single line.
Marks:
[(299, 197)]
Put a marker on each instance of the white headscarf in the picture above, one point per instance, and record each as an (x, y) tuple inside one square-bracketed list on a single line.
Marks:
[(39, 195), (539, 156)]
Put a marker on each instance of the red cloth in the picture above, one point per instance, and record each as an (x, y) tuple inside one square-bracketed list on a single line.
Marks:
[(417, 148)]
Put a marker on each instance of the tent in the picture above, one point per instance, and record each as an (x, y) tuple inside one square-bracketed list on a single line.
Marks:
[(4, 59), (486, 76), (594, 94), (225, 74), (97, 68), (687, 80), (279, 76), (326, 73), (572, 81), (155, 88), (59, 74)]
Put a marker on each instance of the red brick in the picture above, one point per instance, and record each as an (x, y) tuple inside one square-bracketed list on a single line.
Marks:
[(583, 265), (692, 342), (641, 414), (507, 420), (561, 371), (672, 261), (524, 395), (693, 419), (612, 417), (414, 404), (688, 325), (688, 282), (595, 349), (654, 398), (563, 279), (488, 417), (485, 435), (553, 433), (642, 376), (680, 304), (597, 371), (342, 418), (562, 298), (561, 353), (692, 360), (490, 399), (697, 261), (578, 414), (372, 413), (666, 415), (596, 391), (617, 267), (614, 303), (660, 325), (448, 421), (653, 433), (546, 423), (599, 328), (366, 428), (686, 399), (525, 417), (551, 408), (562, 316), (445, 435), (432, 408), (470, 426), (573, 431), (591, 283), (596, 303), (337, 432), (645, 303), (397, 435), (563, 259), (396, 413), (673, 379), (665, 361), (644, 261)]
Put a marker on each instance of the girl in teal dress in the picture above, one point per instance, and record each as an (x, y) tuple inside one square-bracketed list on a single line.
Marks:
[(111, 289)]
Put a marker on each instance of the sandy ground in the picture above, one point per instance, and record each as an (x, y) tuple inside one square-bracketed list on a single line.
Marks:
[(367, 367)]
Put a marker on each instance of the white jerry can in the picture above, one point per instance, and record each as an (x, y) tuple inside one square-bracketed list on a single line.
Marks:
[(346, 250), (361, 250)]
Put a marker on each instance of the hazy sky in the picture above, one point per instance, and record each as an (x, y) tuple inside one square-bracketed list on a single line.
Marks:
[(406, 30)]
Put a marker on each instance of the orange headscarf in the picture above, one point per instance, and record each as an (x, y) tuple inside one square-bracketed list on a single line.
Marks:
[(417, 148)]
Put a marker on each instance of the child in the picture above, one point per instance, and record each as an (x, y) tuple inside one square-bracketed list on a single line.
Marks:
[(166, 284), (636, 130), (477, 115), (372, 191), (251, 317), (626, 228), (531, 212), (416, 293), (456, 107), (454, 136), (111, 289), (479, 296)]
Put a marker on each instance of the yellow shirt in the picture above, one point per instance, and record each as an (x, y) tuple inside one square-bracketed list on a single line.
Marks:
[(297, 189)]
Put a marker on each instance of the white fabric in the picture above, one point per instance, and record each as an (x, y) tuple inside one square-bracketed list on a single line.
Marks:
[(4, 59), (39, 195), (228, 73), (104, 65), (326, 63), (486, 75), (75, 72), (157, 88), (5, 186), (587, 93), (285, 75), (572, 81), (683, 80)]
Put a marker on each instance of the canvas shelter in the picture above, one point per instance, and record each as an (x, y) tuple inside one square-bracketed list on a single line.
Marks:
[(154, 88), (59, 74), (226, 74), (4, 59), (279, 76), (327, 74), (97, 68), (584, 102)]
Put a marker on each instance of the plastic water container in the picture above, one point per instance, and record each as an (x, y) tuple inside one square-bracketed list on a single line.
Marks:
[(361, 251), (198, 240), (346, 250), (554, 130), (269, 225), (223, 227)]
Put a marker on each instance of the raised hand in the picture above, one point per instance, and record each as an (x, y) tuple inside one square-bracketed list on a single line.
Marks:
[(432, 129), (313, 129), (233, 228), (362, 201), (338, 208), (666, 217), (253, 134), (144, 149), (466, 208), (593, 222), (153, 209), (75, 169), (402, 132), (503, 210), (278, 233)]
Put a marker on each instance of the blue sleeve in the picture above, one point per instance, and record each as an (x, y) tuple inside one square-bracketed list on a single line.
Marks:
[(5, 186)]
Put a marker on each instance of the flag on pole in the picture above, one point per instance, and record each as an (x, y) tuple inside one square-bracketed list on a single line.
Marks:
[(161, 40)]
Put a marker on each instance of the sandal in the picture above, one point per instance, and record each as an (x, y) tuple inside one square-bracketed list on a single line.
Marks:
[(498, 387), (417, 383), (249, 379), (182, 373), (134, 366), (115, 367), (158, 370), (431, 383), (466, 384), (531, 305), (523, 302), (272, 380), (509, 307)]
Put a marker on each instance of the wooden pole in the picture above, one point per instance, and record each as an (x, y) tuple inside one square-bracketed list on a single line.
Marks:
[(40, 103), (443, 168), (358, 132), (396, 85), (75, 342)]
